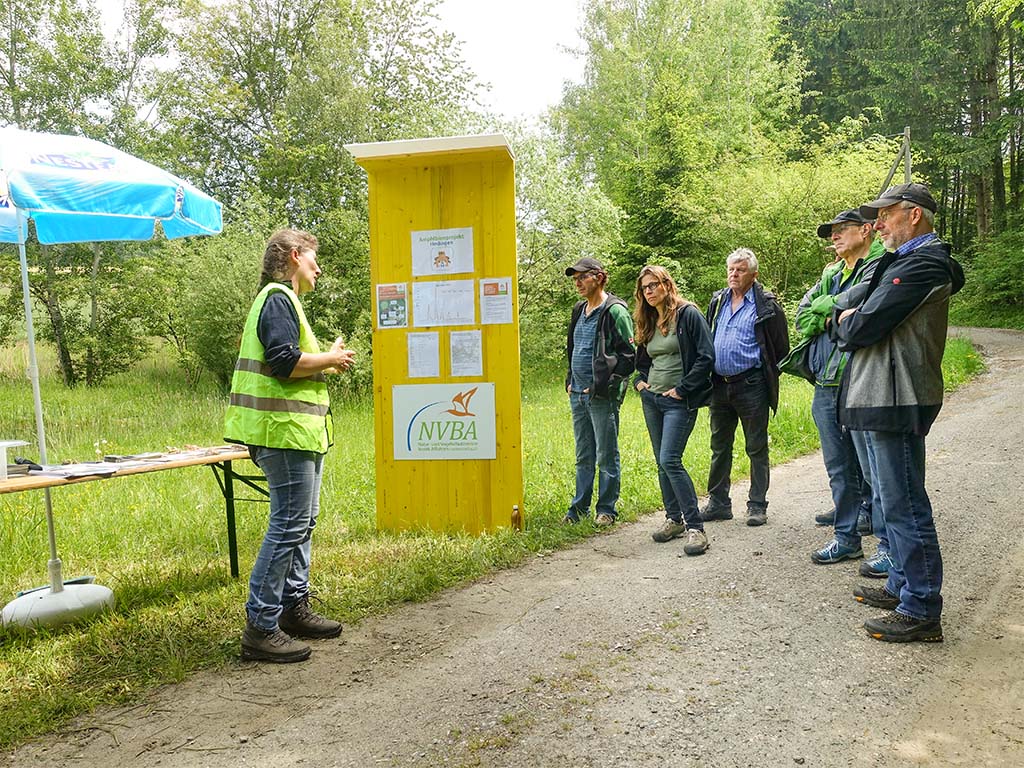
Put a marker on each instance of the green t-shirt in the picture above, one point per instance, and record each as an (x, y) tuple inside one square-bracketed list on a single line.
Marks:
[(666, 362)]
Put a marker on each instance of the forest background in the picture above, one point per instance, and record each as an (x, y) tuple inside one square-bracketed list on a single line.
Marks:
[(699, 126)]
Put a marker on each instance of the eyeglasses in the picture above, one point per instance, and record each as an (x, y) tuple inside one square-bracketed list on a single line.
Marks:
[(581, 277), (649, 287), (837, 228), (884, 216)]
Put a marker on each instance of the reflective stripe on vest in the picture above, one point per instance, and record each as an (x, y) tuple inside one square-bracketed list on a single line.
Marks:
[(272, 411)]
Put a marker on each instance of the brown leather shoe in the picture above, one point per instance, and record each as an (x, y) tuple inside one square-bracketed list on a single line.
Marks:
[(300, 620)]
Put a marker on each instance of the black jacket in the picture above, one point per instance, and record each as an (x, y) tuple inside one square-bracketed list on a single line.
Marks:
[(698, 355), (770, 329), (893, 382), (614, 355)]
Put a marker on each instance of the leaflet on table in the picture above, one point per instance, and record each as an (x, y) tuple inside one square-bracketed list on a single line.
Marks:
[(495, 300), (444, 302), (442, 252), (392, 305), (424, 357), (467, 356)]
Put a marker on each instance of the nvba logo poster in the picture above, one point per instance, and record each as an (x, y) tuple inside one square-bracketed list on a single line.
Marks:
[(443, 421)]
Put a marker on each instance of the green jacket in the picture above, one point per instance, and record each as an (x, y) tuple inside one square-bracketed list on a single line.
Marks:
[(291, 413), (815, 357)]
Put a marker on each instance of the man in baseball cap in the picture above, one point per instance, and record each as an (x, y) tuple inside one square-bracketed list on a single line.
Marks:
[(601, 358), (896, 322)]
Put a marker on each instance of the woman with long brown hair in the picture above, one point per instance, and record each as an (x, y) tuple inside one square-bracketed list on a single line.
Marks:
[(674, 360)]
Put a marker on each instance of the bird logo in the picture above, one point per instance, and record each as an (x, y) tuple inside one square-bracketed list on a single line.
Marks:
[(461, 403)]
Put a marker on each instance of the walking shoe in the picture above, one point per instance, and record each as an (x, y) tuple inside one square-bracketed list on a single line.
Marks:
[(604, 520), (877, 566), (669, 530), (569, 520), (300, 620), (271, 645), (878, 597), (756, 516), (710, 513), (696, 542), (894, 627), (826, 518), (864, 522), (834, 552)]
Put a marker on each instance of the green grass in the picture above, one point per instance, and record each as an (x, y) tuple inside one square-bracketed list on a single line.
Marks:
[(159, 540)]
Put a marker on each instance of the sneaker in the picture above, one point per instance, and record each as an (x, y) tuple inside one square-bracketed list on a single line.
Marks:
[(894, 627), (834, 552), (604, 520), (696, 542), (864, 522), (756, 516), (671, 529), (274, 645), (877, 566), (300, 620), (570, 520), (711, 513), (825, 518), (878, 597)]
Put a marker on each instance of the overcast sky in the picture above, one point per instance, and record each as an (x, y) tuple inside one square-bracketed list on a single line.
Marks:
[(516, 46)]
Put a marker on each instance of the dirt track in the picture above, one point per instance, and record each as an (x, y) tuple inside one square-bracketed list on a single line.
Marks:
[(621, 653)]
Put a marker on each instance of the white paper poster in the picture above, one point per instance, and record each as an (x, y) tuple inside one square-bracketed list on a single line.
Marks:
[(446, 302), (443, 421), (467, 353), (442, 251), (495, 300), (392, 305), (424, 358)]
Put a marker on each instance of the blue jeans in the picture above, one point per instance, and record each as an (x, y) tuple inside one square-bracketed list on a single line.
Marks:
[(280, 575), (739, 402), (595, 425), (840, 455), (669, 423), (916, 575), (866, 457)]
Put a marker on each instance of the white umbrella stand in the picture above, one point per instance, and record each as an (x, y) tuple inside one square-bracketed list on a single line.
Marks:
[(58, 603)]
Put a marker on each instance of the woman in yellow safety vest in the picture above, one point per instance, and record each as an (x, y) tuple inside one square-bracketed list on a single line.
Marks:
[(280, 409)]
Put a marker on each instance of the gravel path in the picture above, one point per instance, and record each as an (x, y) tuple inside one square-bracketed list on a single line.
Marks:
[(621, 653)]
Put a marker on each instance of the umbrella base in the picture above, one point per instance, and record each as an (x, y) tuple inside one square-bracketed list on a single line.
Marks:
[(46, 608)]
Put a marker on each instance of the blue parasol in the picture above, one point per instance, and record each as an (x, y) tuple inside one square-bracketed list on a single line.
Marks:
[(77, 190)]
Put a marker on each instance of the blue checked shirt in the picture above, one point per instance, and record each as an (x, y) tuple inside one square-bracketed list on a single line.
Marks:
[(917, 242)]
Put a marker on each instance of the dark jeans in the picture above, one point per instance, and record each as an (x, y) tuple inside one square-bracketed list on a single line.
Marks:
[(739, 402), (840, 456), (669, 423), (916, 574), (866, 457), (280, 575)]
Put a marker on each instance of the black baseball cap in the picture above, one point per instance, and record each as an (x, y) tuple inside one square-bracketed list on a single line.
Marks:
[(825, 230), (917, 194), (586, 264)]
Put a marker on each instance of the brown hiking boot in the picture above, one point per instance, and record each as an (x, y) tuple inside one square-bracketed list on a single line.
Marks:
[(299, 620), (271, 645)]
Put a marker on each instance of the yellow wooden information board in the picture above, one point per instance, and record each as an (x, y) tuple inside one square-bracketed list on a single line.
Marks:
[(446, 388)]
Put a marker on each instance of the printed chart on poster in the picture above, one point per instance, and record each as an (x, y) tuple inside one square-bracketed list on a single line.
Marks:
[(443, 302), (442, 252), (444, 421), (424, 355)]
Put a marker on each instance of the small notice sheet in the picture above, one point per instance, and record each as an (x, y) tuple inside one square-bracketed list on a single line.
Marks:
[(467, 353), (495, 300), (446, 302), (424, 360), (392, 306)]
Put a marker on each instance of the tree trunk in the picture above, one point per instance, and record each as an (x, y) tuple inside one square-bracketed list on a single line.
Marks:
[(48, 294), (91, 374)]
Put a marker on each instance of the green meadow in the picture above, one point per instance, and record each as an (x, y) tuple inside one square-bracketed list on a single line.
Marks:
[(159, 540)]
